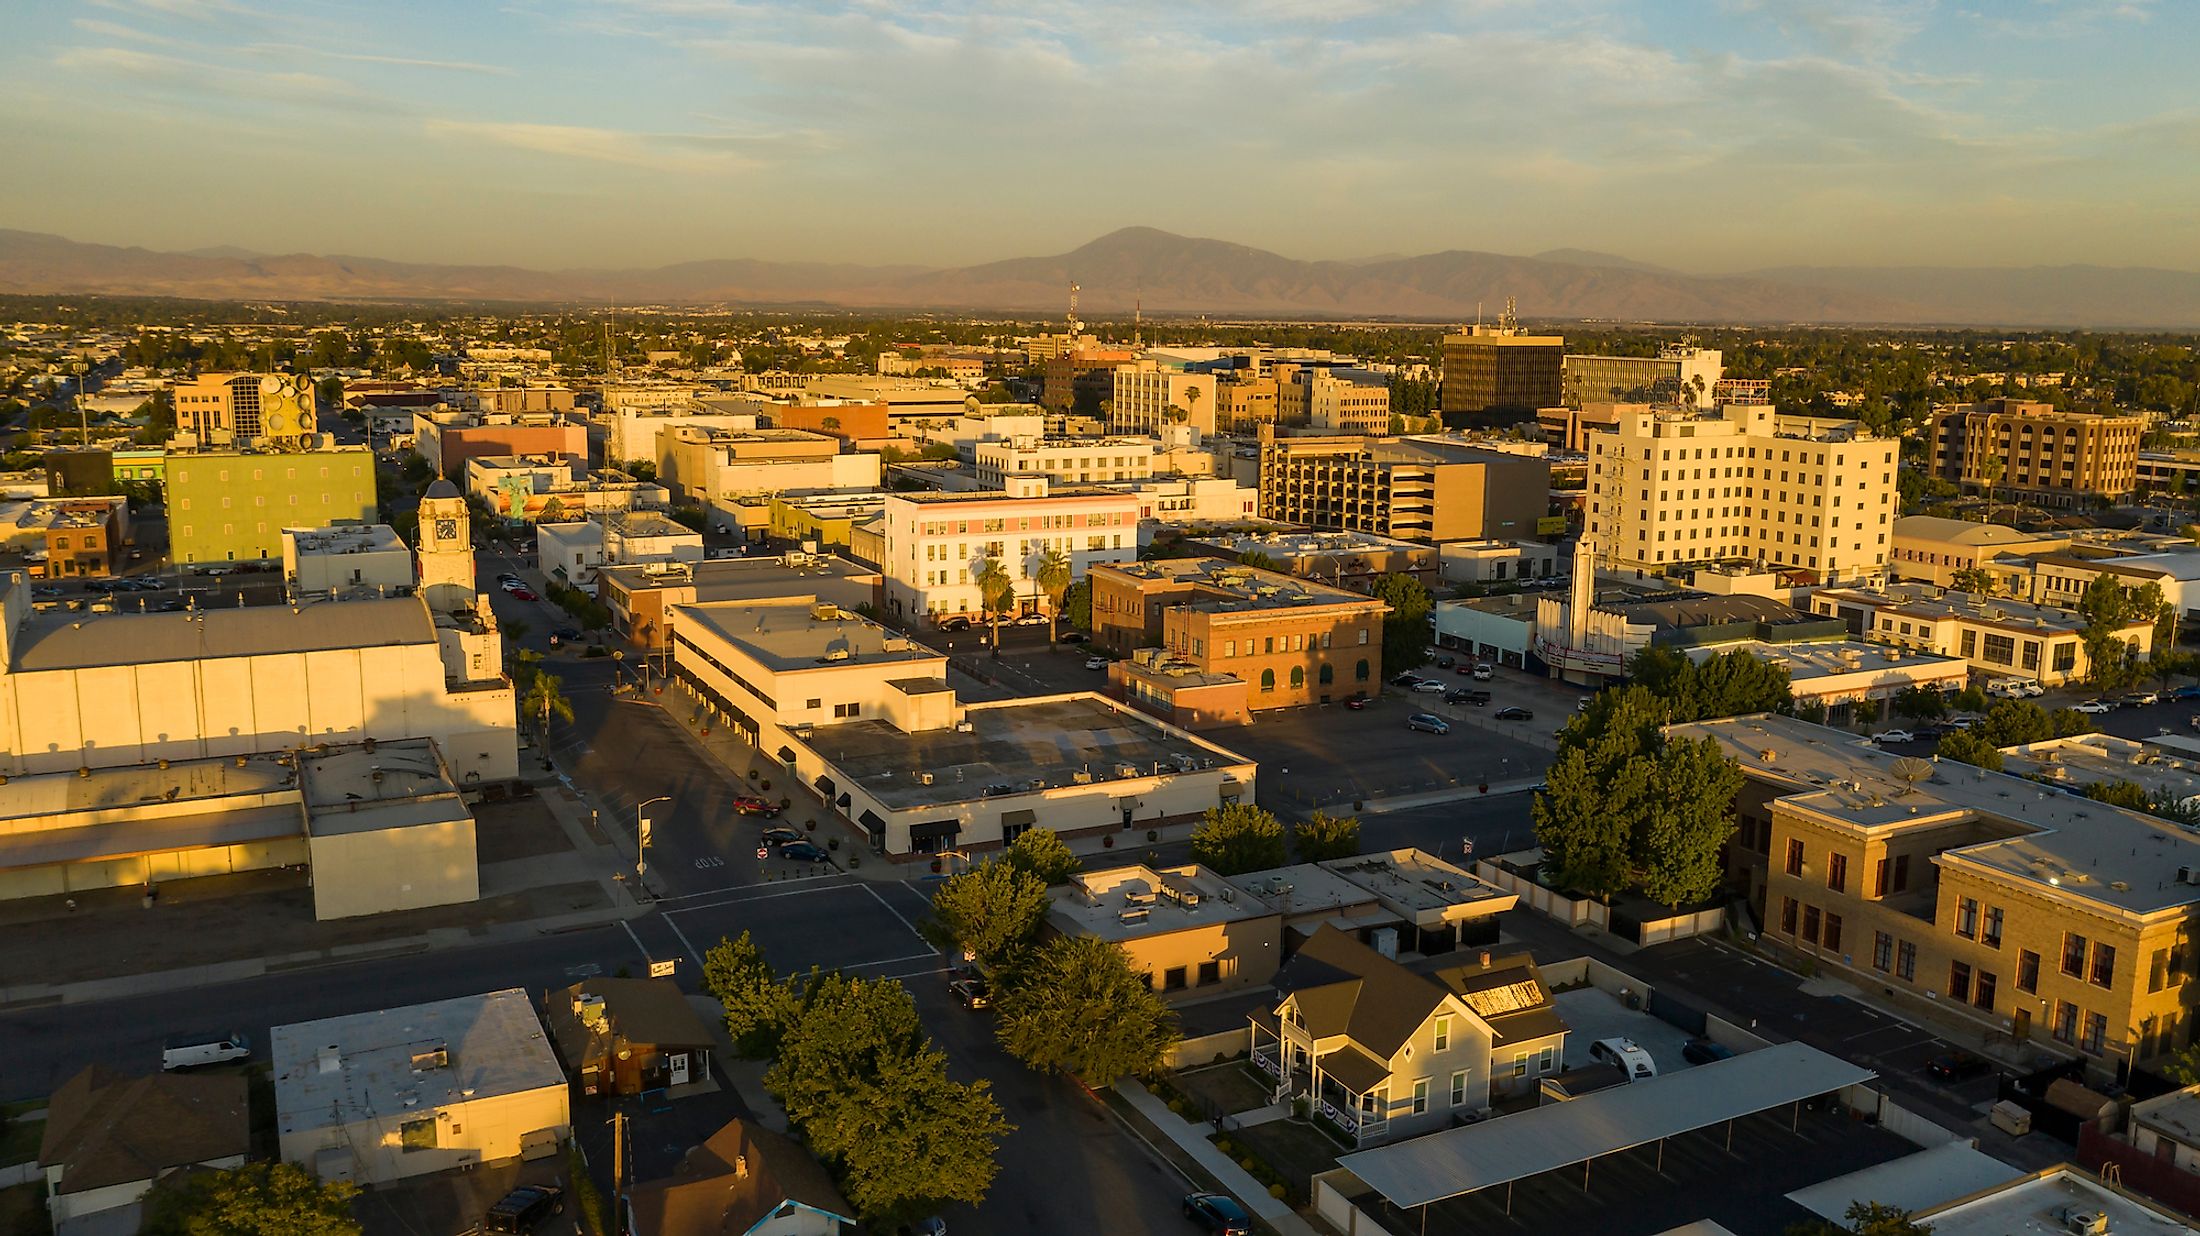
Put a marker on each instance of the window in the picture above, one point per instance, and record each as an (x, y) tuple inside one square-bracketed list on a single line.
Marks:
[(1882, 871), (1210, 972), (1810, 923), (1795, 856), (1959, 981), (417, 1134), (1546, 1060), (2028, 971), (1901, 872), (1172, 979), (1787, 915), (1459, 1085), (1420, 1096), (1967, 918), (2073, 958), (1837, 872), (2104, 965), (1833, 932), (1905, 961), (2065, 1026), (1984, 995), (2157, 970), (1359, 672), (1328, 674), (1443, 1033), (1298, 678), (1882, 951), (2096, 1034)]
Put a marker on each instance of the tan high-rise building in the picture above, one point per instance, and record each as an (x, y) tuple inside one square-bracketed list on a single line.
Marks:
[(1407, 488), (1330, 400), (2033, 451), (1673, 491), (1245, 404), (1149, 395), (245, 409), (1499, 369)]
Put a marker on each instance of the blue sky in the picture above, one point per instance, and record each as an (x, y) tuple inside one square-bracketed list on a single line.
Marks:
[(1710, 135)]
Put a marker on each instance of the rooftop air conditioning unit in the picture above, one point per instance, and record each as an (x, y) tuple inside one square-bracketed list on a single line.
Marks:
[(923, 778)]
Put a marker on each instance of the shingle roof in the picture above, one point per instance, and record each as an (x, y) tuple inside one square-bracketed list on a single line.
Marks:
[(1344, 987), (104, 1128), (709, 1194)]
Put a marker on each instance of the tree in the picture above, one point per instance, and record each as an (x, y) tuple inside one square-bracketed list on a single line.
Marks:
[(2013, 723), (1258, 561), (1971, 699), (1972, 579), (1966, 747), (2108, 608), (1677, 842), (1865, 711), (1236, 838), (2128, 794), (2069, 722), (2167, 664), (1324, 836), (988, 911), (758, 1006), (1080, 1009), (1077, 606), (995, 591), (1731, 684), (258, 1199), (1865, 1219), (1920, 703), (872, 1097), (1043, 853), (546, 702), (1405, 627), (1053, 579)]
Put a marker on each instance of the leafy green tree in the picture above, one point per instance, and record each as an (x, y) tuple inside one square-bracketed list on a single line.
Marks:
[(1077, 606), (1053, 580), (1865, 1219), (1323, 836), (1043, 853), (1920, 703), (1689, 818), (258, 1199), (758, 1006), (872, 1097), (546, 702), (1971, 699), (1972, 579), (1237, 838), (996, 591), (1080, 1009), (1595, 789), (1255, 558), (1405, 627), (2108, 608), (988, 911), (2167, 665), (2121, 794), (2014, 723), (1865, 711), (1966, 747), (1730, 684), (2069, 722), (2184, 1067)]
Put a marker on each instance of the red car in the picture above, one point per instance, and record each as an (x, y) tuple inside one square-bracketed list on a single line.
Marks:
[(524, 594), (1464, 667), (749, 805), (1356, 701)]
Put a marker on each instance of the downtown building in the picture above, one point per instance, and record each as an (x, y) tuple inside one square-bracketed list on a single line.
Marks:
[(2035, 452), (934, 544), (1498, 369), (1412, 489)]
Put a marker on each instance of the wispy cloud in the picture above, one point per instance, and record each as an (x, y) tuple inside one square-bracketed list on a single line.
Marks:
[(409, 62), (669, 152), (189, 10), (199, 77)]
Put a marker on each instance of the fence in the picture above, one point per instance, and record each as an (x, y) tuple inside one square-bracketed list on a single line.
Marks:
[(2160, 1179), (1899, 1120), (1501, 872), (1209, 1048), (1337, 1194)]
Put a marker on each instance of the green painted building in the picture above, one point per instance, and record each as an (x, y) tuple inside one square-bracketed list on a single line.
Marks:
[(232, 506)]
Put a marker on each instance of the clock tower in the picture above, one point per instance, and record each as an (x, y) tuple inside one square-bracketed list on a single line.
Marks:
[(446, 549)]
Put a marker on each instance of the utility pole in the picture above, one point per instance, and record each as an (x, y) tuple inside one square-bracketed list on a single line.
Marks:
[(618, 1156)]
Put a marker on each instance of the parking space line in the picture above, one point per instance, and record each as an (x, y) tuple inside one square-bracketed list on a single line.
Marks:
[(897, 914), (907, 974), (735, 901), (639, 947), (893, 961), (689, 945)]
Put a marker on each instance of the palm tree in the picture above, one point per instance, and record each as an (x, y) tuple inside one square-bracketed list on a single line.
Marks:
[(1191, 398), (1053, 577), (996, 588), (546, 700)]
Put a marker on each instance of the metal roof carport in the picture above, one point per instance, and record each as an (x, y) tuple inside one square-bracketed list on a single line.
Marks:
[(1439, 1166)]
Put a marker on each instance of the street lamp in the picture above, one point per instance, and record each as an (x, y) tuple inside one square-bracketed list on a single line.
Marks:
[(641, 839)]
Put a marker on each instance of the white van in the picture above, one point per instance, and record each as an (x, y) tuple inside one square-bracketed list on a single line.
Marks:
[(190, 1053), (1624, 1055)]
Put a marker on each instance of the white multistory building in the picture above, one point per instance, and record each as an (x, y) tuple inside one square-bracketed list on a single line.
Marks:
[(935, 544), (1068, 461)]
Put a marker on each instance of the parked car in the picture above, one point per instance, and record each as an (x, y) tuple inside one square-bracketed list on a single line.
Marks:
[(1407, 679), (1623, 1054), (524, 594), (1096, 663), (216, 569), (523, 1210), (507, 575), (1704, 1051), (2093, 708), (1032, 620), (45, 590), (1884, 737), (1485, 671), (1463, 669), (1218, 1213), (1957, 1066), (148, 583), (514, 584), (565, 633), (2183, 693), (749, 804), (1070, 637), (2139, 699), (192, 1051), (803, 852), (1428, 723), (1356, 701), (1514, 713), (955, 623), (1444, 662), (1461, 695), (972, 991), (1429, 686), (780, 836)]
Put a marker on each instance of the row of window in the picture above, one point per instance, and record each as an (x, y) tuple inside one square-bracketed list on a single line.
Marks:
[(1890, 875), (1026, 523)]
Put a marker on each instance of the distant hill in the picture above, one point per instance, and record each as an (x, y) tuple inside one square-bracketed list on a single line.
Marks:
[(1167, 274)]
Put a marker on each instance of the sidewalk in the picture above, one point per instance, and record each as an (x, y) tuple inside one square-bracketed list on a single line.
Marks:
[(1192, 1140)]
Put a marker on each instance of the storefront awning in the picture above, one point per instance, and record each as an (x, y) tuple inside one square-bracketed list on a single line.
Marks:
[(1013, 819), (935, 830), (872, 823)]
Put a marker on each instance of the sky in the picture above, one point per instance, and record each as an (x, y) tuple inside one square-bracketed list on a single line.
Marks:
[(1707, 135)]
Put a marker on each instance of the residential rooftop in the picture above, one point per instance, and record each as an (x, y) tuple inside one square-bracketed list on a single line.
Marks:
[(365, 1066), (1419, 886), (1128, 903), (1056, 741), (787, 635), (2068, 847)]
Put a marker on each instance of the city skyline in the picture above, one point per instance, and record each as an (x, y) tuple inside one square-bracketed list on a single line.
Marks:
[(1708, 137)]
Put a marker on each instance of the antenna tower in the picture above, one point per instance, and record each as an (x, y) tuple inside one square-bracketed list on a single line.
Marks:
[(1076, 327)]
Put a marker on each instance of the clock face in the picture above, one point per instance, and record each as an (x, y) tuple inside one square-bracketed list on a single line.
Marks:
[(446, 529)]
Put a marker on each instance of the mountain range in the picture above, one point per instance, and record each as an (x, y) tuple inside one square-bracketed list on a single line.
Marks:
[(1167, 274)]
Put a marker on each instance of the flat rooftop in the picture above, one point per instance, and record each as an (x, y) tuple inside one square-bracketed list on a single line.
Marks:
[(1832, 658), (1915, 1182), (944, 497), (2089, 759), (366, 1066), (1418, 884), (1280, 545), (1129, 903), (2032, 1204), (729, 579), (1925, 601), (68, 641), (799, 635), (1060, 741), (347, 539), (57, 794), (401, 784), (1303, 888), (2068, 847), (1229, 587)]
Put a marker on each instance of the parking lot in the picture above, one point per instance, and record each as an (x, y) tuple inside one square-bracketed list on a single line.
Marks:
[(1593, 1014)]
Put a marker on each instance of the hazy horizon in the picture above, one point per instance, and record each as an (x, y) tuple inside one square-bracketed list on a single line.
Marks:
[(1708, 137)]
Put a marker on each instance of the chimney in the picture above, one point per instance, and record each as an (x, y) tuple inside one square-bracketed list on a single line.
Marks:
[(1485, 959)]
